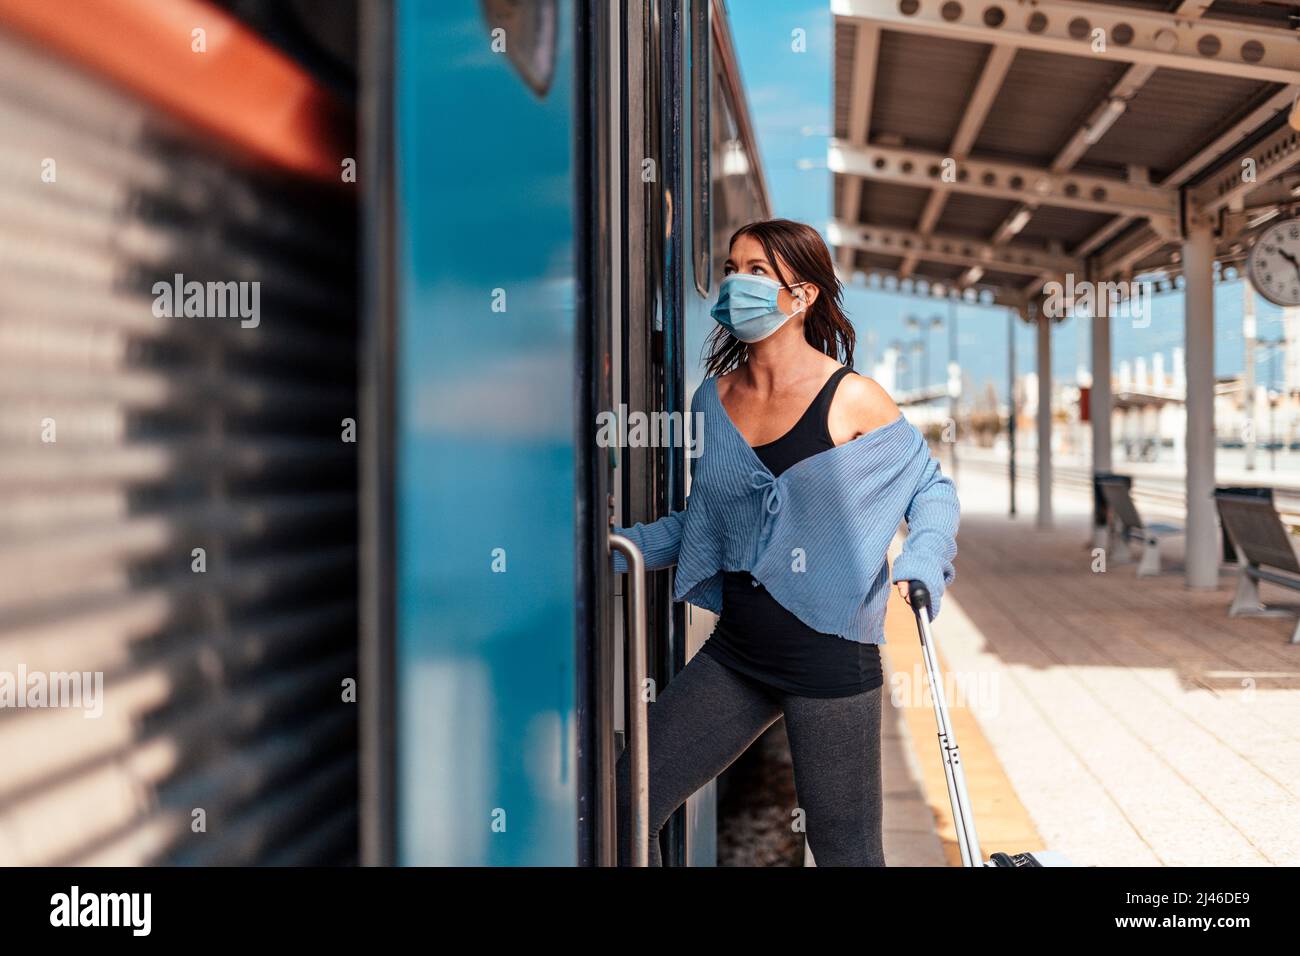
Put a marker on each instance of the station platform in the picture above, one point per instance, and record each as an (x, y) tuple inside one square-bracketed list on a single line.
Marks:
[(1122, 721)]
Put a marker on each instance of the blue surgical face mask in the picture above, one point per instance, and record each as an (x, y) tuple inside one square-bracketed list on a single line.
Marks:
[(747, 307)]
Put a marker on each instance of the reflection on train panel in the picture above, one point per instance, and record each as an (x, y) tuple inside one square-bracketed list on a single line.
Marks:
[(559, 261), (178, 501)]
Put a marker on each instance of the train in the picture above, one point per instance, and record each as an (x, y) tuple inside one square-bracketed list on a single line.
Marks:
[(340, 554), (561, 180)]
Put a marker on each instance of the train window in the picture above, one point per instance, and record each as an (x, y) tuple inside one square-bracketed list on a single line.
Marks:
[(532, 30), (701, 225), (737, 193), (726, 213), (734, 194)]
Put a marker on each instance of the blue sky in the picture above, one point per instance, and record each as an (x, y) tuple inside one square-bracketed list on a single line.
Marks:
[(790, 100)]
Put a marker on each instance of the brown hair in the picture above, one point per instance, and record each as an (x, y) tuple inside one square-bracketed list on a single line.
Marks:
[(801, 248)]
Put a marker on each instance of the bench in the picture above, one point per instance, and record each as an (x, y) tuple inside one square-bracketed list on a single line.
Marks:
[(1100, 509), (1264, 553), (1254, 491), (1126, 526)]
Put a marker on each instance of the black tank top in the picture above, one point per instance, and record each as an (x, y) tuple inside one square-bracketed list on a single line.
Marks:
[(756, 635)]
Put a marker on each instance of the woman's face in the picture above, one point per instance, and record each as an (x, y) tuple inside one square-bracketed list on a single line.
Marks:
[(747, 256)]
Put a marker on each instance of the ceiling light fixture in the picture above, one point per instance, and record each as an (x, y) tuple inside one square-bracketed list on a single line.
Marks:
[(1113, 110)]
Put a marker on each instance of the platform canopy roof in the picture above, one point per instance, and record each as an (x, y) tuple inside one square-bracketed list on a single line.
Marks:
[(996, 145)]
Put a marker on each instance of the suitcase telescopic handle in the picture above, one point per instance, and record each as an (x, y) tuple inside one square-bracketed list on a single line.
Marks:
[(918, 595)]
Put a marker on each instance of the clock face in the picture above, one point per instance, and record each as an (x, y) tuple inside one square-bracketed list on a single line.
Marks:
[(1274, 264)]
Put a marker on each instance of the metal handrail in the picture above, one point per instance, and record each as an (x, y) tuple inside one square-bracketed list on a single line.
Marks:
[(638, 708)]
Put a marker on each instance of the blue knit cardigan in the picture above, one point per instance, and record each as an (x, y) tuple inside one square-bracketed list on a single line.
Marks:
[(817, 535)]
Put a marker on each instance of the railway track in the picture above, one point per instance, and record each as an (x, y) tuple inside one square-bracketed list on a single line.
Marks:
[(1154, 494)]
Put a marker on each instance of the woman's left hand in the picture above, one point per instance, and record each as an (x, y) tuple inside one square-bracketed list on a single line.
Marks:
[(903, 589)]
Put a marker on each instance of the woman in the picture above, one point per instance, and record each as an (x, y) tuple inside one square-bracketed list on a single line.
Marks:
[(806, 471)]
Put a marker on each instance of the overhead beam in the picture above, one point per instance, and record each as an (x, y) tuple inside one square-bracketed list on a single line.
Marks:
[(1273, 156), (939, 289), (862, 92), (1102, 116), (1269, 158), (1127, 34), (950, 250), (930, 170), (1103, 236), (1125, 88), (1120, 257), (1261, 114), (968, 129), (1281, 100), (1083, 138), (1269, 50)]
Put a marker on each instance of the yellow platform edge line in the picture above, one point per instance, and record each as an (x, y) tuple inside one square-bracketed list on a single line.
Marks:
[(1001, 820)]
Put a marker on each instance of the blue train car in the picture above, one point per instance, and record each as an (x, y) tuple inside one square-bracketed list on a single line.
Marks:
[(550, 190)]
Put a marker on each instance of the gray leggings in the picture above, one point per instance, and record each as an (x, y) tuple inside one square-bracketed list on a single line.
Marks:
[(709, 714)]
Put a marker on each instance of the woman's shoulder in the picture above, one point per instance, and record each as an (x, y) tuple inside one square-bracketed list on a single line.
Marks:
[(865, 403)]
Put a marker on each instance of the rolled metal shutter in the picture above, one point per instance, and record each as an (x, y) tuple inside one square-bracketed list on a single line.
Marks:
[(223, 689)]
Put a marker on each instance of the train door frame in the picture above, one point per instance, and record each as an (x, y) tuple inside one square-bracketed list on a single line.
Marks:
[(651, 483), (599, 216), (377, 596), (698, 826), (630, 273)]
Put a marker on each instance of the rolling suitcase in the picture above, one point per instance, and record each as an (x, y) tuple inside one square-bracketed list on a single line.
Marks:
[(963, 818)]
